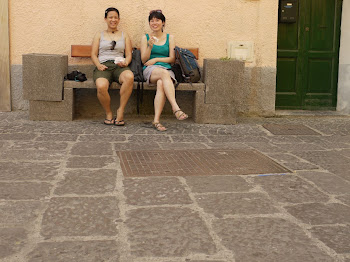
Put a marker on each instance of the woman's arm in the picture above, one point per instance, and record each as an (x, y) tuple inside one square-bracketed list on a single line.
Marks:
[(146, 48), (94, 52), (127, 52), (170, 59)]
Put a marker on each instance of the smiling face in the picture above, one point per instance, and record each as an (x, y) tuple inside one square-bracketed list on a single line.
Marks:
[(112, 20), (156, 24)]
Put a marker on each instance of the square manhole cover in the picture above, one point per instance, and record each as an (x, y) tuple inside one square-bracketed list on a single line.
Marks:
[(196, 163), (278, 129)]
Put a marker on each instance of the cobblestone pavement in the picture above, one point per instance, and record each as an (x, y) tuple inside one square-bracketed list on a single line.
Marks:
[(63, 195)]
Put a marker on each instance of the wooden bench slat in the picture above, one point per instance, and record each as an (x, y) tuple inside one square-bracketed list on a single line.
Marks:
[(81, 50), (85, 51)]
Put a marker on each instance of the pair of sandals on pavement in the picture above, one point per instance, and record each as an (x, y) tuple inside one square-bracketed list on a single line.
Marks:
[(111, 122), (179, 114)]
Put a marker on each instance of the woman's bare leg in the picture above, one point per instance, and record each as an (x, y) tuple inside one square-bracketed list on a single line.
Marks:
[(167, 84), (159, 101), (127, 82), (102, 85)]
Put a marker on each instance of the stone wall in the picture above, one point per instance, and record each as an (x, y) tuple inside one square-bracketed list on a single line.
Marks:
[(343, 104)]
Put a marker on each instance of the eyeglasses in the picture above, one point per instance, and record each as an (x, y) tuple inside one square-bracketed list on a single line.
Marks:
[(113, 44), (158, 11)]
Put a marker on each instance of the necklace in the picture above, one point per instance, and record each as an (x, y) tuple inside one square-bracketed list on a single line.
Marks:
[(112, 38)]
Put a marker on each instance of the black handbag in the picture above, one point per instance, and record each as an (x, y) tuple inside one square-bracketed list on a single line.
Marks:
[(76, 76)]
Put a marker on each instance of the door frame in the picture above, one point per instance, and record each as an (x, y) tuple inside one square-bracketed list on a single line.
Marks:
[(301, 77)]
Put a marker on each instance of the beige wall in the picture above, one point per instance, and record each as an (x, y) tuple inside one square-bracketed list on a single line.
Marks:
[(41, 26), (5, 92)]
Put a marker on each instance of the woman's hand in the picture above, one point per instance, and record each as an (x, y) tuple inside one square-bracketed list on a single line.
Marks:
[(151, 62), (151, 41), (101, 67), (122, 64)]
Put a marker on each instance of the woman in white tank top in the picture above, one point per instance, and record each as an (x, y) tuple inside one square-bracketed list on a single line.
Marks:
[(111, 53)]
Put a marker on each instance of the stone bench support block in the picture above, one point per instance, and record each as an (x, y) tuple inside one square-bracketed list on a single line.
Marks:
[(223, 114), (43, 76), (53, 110), (222, 80)]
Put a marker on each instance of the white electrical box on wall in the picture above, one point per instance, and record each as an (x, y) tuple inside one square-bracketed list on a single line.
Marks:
[(241, 50)]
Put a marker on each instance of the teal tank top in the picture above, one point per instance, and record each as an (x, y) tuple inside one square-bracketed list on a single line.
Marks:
[(160, 51)]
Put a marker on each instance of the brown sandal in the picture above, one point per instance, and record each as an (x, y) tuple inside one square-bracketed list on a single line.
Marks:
[(109, 122), (181, 116), (159, 127)]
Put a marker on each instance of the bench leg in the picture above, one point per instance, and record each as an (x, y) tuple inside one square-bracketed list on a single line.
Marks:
[(212, 113), (52, 110)]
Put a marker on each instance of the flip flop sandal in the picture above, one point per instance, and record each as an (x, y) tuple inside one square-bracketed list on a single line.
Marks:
[(109, 122), (179, 116), (159, 127), (119, 123)]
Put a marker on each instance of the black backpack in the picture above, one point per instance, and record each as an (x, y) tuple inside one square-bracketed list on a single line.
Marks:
[(76, 76), (186, 61), (137, 68)]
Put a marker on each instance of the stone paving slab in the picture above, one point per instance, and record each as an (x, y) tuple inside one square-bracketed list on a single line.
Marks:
[(291, 129), (12, 240), (164, 232), (290, 189), (38, 145), (235, 138), (205, 184), (87, 182), (102, 138), (327, 181), (17, 136), (345, 199), (300, 165), (92, 149), (341, 170), (57, 137), (335, 237), (321, 214), (170, 191), (18, 171), (20, 212), (267, 239), (322, 158), (121, 147), (266, 147), (24, 190), (89, 162), (77, 216), (303, 148), (32, 155), (236, 204), (77, 251)]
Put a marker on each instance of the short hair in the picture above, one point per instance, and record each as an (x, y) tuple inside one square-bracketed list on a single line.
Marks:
[(156, 14), (111, 9)]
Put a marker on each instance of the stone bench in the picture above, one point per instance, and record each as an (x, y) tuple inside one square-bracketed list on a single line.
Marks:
[(52, 98)]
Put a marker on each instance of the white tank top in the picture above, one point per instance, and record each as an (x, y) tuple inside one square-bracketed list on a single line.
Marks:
[(105, 53)]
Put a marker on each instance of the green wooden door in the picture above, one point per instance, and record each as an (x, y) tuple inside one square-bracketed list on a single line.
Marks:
[(307, 57)]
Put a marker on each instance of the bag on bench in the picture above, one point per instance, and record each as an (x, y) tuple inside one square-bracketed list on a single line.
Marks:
[(137, 68), (188, 65), (76, 76)]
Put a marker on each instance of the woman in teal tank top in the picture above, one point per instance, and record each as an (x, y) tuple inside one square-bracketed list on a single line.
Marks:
[(157, 54)]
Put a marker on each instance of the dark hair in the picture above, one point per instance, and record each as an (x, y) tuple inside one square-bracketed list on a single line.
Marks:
[(111, 9), (156, 14)]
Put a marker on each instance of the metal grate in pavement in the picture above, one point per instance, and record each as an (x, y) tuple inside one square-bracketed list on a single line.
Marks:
[(288, 129), (207, 162)]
